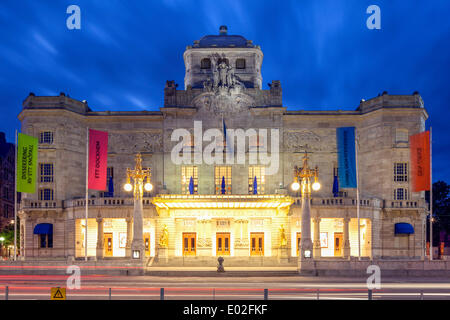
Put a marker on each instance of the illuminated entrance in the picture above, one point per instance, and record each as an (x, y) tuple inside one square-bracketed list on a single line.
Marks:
[(338, 239), (147, 244), (223, 244), (108, 244), (299, 238), (257, 243), (189, 244)]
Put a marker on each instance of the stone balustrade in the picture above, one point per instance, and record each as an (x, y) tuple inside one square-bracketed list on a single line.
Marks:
[(319, 202)]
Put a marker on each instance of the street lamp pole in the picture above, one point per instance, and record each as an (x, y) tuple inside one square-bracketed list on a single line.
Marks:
[(303, 180), (139, 176)]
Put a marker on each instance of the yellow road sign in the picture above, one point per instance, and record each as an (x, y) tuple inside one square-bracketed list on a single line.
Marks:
[(58, 293)]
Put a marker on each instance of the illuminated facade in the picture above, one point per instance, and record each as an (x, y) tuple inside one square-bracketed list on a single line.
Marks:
[(199, 211)]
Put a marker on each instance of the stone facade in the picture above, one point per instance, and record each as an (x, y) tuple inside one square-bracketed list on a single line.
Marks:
[(223, 85)]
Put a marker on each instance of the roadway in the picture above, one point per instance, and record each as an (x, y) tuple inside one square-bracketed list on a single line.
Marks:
[(96, 287)]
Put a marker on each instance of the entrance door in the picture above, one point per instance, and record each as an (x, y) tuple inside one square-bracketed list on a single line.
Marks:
[(108, 244), (223, 244), (147, 244), (299, 238), (189, 244), (257, 243), (338, 239)]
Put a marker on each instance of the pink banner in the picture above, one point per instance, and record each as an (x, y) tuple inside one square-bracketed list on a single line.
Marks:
[(98, 156)]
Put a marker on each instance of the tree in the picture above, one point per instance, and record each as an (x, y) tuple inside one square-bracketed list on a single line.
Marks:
[(441, 209)]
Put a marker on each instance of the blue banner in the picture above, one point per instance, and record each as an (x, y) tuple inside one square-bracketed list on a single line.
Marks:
[(346, 156)]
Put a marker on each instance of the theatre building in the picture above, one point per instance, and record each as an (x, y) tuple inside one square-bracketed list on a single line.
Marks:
[(243, 211)]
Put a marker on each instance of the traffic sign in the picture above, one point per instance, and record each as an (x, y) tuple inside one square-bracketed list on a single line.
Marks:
[(58, 293)]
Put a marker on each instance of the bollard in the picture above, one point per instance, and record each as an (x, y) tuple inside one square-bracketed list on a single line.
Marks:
[(370, 294), (109, 293), (421, 295), (266, 294), (161, 294), (6, 292), (317, 294)]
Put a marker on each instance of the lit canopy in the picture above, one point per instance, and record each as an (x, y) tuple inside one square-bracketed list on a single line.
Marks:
[(181, 201)]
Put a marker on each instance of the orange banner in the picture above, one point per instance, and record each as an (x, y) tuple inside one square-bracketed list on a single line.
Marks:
[(420, 161)]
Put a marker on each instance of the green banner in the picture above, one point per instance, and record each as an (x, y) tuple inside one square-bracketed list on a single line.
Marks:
[(26, 163)]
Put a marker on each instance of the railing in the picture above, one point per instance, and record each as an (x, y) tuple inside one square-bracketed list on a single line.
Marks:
[(38, 204), (320, 202), (105, 202), (403, 204), (371, 202)]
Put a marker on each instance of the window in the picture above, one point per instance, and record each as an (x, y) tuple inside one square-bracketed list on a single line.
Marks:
[(219, 174), (188, 141), (186, 173), (206, 63), (46, 194), (258, 172), (240, 63), (109, 176), (401, 136), (401, 172), (148, 193), (46, 240), (46, 171), (46, 137), (401, 194), (5, 211), (256, 144)]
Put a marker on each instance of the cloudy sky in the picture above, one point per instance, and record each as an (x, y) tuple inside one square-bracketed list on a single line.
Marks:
[(322, 52)]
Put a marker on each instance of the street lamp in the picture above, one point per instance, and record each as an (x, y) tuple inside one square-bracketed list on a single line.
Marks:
[(139, 176), (303, 181)]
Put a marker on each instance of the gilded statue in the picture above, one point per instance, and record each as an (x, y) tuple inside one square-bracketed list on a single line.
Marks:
[(164, 239), (283, 239)]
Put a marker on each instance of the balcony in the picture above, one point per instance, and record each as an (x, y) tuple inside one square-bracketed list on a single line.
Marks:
[(341, 202), (40, 204)]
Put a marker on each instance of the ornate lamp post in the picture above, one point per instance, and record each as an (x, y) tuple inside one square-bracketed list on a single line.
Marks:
[(139, 176), (303, 180)]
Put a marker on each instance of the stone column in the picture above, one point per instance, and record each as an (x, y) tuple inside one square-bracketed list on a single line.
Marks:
[(100, 239), (306, 243), (316, 243), (129, 221), (346, 238), (138, 242)]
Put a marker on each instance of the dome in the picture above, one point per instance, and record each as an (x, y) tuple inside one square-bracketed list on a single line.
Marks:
[(223, 40)]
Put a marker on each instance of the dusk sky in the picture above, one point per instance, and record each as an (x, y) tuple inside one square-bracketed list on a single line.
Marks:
[(322, 51)]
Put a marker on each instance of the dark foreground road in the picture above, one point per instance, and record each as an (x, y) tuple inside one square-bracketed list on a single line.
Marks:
[(37, 287)]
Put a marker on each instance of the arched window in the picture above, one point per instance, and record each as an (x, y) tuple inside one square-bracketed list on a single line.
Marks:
[(206, 63), (240, 63), (45, 232)]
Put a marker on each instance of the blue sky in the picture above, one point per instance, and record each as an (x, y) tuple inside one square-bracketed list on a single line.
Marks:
[(322, 52)]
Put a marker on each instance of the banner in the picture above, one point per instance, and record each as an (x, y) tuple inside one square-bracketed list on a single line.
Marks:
[(98, 156), (26, 163), (345, 137), (420, 161)]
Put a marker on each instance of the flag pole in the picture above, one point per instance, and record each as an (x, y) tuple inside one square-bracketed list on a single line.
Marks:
[(357, 194), (15, 198), (431, 195), (87, 196)]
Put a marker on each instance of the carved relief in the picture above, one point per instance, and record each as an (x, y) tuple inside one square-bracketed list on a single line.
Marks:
[(298, 141), (204, 243), (221, 103), (135, 142)]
